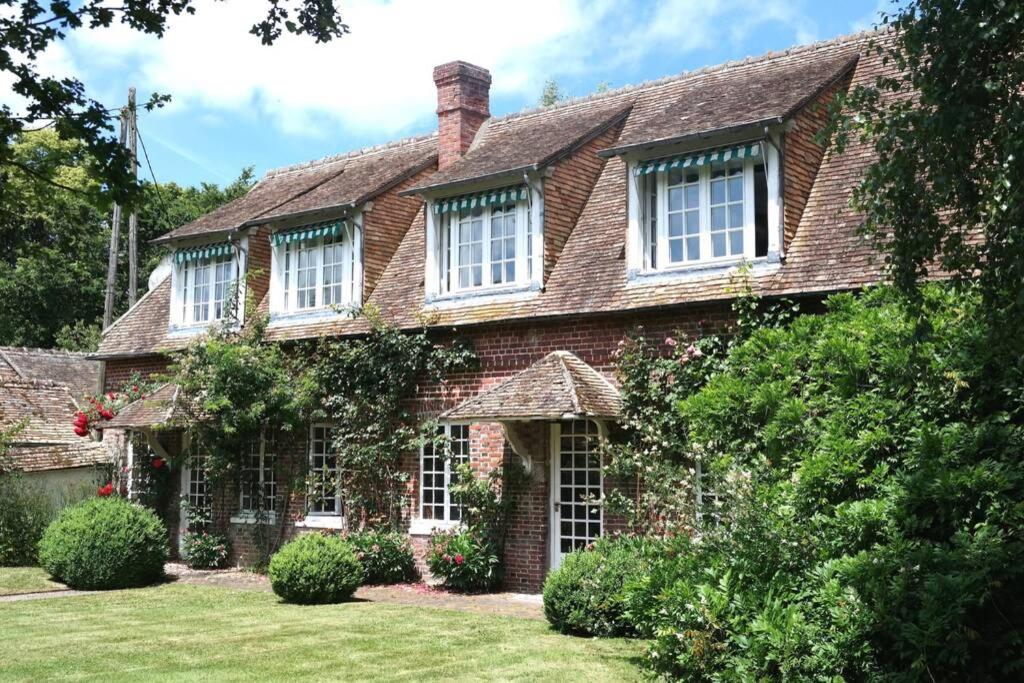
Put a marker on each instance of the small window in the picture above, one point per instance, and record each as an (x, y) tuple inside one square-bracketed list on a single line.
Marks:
[(703, 214), (485, 247), (206, 289), (438, 473), (259, 480), (324, 495), (316, 274)]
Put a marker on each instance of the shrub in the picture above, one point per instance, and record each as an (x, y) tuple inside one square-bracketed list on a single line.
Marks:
[(464, 560), (586, 595), (25, 511), (105, 543), (315, 569), (386, 556), (203, 550)]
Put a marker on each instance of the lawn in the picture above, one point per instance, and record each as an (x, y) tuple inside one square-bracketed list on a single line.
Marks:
[(15, 580), (201, 632)]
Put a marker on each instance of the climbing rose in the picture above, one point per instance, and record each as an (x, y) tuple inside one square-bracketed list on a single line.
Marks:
[(693, 352), (81, 431), (447, 557), (459, 559), (105, 491), (158, 463), (106, 413), (81, 420), (669, 341)]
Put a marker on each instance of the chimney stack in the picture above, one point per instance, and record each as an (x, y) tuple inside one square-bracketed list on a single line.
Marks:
[(463, 104)]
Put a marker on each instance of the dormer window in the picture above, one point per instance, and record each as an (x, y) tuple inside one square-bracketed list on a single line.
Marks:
[(316, 269), (206, 285), (702, 209), (483, 243)]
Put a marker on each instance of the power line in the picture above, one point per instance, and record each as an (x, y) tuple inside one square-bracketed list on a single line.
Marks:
[(156, 185)]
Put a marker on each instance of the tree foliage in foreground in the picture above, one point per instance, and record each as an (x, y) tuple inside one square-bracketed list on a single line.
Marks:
[(29, 27), (947, 132), (872, 517)]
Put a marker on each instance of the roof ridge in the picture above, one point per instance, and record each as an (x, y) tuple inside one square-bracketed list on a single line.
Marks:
[(49, 352), (344, 156), (28, 382), (844, 39), (570, 381)]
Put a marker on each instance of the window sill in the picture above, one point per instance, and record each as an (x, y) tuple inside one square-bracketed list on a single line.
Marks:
[(321, 522), (425, 527), (181, 330), (483, 296), (312, 316), (251, 518), (696, 271)]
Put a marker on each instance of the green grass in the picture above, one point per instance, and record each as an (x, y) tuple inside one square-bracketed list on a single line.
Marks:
[(201, 632), (16, 580)]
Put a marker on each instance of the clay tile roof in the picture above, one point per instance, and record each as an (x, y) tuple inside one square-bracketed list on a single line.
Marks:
[(283, 192), (559, 386), (143, 328), (152, 410), (529, 141), (76, 370), (45, 411)]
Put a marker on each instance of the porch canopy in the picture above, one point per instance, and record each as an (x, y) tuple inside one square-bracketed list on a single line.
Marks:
[(560, 386), (153, 410)]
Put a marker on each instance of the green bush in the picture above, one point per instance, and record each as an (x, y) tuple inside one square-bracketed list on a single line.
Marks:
[(386, 556), (868, 460), (586, 594), (25, 511), (105, 543), (315, 569), (465, 560), (202, 550)]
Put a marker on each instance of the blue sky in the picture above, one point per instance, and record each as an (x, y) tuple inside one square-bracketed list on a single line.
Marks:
[(237, 103)]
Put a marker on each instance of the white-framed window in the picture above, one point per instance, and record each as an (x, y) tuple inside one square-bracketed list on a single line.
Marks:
[(485, 247), (324, 494), (198, 494), (259, 479), (317, 274), (713, 213), (207, 286), (438, 473)]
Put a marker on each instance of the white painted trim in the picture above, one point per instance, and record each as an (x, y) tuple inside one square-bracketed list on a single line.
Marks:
[(250, 518), (426, 527), (321, 522), (178, 324), (323, 517), (351, 285), (554, 512), (773, 176)]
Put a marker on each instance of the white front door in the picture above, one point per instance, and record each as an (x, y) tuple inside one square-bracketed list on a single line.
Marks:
[(577, 517)]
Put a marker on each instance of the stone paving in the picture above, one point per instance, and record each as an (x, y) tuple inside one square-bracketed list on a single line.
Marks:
[(413, 594)]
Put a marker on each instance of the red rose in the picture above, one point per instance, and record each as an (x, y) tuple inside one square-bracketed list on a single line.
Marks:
[(81, 419), (81, 431), (135, 388), (106, 413), (447, 558), (111, 395), (459, 559), (158, 463), (105, 491)]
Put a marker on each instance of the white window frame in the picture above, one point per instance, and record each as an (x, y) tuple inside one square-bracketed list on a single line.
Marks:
[(424, 525), (284, 276), (441, 281), (638, 242), (182, 314), (321, 519), (266, 452), (451, 267)]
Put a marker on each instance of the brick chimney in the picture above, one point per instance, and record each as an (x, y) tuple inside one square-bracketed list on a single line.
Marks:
[(463, 99)]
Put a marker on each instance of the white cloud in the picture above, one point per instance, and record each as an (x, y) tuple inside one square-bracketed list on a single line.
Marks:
[(377, 79)]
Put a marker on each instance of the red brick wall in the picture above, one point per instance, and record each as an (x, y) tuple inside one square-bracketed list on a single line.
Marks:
[(803, 158), (258, 269), (119, 371), (385, 226), (463, 104), (566, 193)]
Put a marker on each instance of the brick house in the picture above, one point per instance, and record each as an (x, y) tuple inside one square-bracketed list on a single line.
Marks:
[(543, 237)]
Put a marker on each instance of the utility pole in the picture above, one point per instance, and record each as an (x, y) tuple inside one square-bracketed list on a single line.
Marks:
[(115, 236), (133, 218)]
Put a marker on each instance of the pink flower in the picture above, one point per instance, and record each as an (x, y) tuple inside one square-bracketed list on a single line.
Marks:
[(447, 557), (693, 352), (669, 341), (459, 559)]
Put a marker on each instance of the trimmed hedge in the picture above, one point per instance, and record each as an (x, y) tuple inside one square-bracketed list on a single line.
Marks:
[(315, 569), (586, 595), (105, 543)]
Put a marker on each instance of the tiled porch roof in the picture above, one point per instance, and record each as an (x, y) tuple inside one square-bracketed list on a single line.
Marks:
[(155, 409), (557, 387)]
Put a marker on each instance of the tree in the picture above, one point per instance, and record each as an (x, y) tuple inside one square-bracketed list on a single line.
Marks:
[(28, 27), (551, 94), (54, 239), (947, 133)]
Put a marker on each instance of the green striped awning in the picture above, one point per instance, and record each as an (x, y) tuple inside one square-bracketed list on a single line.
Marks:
[(307, 232), (207, 251), (471, 201), (752, 149)]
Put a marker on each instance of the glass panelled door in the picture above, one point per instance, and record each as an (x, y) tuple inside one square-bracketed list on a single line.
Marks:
[(577, 516)]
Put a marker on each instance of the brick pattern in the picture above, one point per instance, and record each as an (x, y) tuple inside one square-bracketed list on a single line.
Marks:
[(566, 193), (258, 276), (119, 371), (463, 104), (803, 156)]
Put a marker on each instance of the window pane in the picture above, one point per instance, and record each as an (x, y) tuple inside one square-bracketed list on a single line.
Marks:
[(675, 176), (692, 248), (675, 224), (718, 218), (736, 188), (718, 244), (717, 192), (675, 198), (676, 250), (692, 222), (736, 242), (735, 215), (692, 196)]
